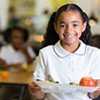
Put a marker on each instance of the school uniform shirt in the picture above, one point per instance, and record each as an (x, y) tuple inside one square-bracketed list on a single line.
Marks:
[(57, 64), (11, 56)]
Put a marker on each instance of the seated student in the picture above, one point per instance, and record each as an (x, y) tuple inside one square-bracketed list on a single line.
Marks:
[(69, 59), (16, 52), (13, 55)]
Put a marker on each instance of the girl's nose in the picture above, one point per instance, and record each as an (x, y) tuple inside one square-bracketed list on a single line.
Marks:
[(68, 29)]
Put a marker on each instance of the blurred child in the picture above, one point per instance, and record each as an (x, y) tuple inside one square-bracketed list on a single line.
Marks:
[(16, 52)]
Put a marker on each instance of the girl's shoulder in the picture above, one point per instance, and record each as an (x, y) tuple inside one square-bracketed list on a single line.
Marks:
[(47, 48), (93, 50), (6, 47)]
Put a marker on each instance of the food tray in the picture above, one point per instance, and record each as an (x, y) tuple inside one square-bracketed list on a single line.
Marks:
[(49, 87)]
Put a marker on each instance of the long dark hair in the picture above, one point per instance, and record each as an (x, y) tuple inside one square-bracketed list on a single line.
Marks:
[(86, 35), (51, 37)]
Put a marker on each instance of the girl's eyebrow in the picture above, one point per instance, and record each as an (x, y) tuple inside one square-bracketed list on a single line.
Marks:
[(63, 22), (75, 21)]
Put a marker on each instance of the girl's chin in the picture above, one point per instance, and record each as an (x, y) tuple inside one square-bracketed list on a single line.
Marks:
[(69, 41)]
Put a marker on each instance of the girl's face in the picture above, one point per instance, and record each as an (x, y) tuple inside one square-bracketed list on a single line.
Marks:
[(17, 39), (69, 27)]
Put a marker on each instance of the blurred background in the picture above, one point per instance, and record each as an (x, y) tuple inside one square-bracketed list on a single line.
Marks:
[(34, 15)]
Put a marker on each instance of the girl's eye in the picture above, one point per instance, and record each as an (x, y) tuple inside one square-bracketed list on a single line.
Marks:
[(75, 25), (61, 25)]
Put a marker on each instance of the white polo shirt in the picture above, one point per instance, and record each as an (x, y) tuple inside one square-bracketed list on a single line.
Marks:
[(10, 55), (55, 63)]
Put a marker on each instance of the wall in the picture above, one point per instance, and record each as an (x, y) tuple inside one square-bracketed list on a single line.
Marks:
[(4, 4)]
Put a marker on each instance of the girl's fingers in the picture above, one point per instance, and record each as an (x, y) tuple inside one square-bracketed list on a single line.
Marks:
[(34, 87), (98, 82), (96, 93)]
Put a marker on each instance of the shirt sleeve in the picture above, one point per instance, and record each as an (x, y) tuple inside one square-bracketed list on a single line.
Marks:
[(40, 68)]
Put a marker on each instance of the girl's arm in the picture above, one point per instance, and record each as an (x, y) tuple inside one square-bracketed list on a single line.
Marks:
[(3, 64), (36, 91)]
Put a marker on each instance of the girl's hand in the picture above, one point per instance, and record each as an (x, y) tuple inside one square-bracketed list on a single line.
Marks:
[(98, 82), (97, 92), (36, 91), (3, 63)]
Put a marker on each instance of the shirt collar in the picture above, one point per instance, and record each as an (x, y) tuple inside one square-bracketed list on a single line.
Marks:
[(60, 51)]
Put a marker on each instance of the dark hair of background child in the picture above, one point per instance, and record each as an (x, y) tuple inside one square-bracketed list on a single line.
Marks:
[(7, 33)]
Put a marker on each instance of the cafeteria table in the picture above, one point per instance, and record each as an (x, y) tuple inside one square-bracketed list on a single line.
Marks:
[(19, 78)]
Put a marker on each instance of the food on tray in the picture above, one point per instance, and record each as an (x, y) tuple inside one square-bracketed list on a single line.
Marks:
[(88, 81)]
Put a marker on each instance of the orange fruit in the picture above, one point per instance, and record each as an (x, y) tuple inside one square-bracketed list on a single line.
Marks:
[(4, 75)]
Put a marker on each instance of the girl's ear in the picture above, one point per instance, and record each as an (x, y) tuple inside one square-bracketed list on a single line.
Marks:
[(84, 26)]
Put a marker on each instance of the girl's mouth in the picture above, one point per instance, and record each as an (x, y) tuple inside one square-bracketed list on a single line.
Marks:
[(68, 36)]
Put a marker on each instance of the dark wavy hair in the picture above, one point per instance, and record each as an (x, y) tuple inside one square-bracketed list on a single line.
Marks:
[(7, 33)]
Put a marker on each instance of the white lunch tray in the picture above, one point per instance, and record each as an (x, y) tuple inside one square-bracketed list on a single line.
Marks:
[(49, 87)]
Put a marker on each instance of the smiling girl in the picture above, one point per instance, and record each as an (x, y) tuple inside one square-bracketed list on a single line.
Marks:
[(69, 59)]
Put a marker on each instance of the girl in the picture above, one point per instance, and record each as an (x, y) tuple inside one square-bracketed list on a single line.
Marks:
[(69, 59)]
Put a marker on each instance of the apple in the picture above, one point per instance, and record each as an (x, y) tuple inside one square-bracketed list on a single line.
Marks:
[(88, 81)]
